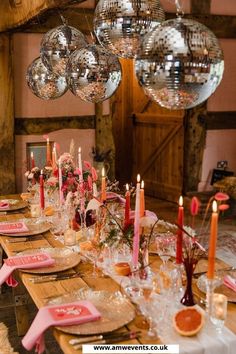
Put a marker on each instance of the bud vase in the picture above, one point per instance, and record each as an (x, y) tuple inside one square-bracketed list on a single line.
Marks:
[(189, 266)]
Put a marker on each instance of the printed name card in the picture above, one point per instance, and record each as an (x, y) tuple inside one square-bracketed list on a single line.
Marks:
[(12, 228), (21, 261), (83, 312)]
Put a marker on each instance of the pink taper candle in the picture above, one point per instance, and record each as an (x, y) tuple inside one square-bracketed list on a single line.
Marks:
[(136, 225), (41, 190), (127, 206), (81, 179), (179, 243), (61, 197), (142, 200), (32, 160), (212, 243)]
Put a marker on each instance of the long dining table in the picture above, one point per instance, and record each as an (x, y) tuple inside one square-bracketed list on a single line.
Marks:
[(43, 292)]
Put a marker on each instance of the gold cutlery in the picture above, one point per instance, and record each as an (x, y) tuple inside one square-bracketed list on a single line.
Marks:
[(53, 277)]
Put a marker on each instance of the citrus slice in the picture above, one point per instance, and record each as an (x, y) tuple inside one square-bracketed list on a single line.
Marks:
[(188, 321)]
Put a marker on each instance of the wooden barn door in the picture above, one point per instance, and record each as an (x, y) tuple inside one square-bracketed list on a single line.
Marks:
[(157, 136)]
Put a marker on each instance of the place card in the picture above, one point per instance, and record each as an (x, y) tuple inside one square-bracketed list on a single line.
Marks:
[(13, 227)]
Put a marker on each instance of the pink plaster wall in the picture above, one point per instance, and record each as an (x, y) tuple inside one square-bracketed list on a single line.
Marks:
[(223, 98), (223, 7), (26, 49), (82, 137), (220, 145)]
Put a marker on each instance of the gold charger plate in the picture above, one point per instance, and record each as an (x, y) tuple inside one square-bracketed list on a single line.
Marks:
[(14, 204), (116, 311), (35, 228), (64, 259), (220, 287)]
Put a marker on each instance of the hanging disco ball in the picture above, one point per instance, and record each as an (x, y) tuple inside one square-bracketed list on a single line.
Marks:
[(120, 24), (93, 73), (180, 64), (58, 44), (43, 83)]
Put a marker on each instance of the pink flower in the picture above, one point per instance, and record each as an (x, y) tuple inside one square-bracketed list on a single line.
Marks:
[(77, 171), (223, 207), (87, 165), (94, 174), (194, 207), (221, 196)]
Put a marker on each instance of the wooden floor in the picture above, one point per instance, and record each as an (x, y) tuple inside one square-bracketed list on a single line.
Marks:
[(164, 210)]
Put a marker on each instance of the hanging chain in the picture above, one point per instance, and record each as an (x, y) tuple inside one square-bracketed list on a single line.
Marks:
[(179, 8)]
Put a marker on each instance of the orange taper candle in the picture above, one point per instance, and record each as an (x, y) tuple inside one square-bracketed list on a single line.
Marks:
[(142, 200), (48, 157), (212, 243)]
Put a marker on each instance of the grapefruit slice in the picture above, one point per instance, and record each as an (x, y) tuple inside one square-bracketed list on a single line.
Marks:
[(188, 321)]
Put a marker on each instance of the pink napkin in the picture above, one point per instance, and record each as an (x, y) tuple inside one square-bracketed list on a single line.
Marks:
[(230, 282), (13, 227), (58, 315), (23, 262), (4, 205)]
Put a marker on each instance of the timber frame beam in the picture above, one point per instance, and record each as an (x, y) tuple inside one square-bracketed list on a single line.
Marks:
[(17, 12)]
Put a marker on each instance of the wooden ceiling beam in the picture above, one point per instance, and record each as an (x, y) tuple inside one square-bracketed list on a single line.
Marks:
[(80, 18), (221, 25), (200, 6), (14, 13)]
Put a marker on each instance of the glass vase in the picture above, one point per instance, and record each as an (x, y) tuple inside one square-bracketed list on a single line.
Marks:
[(189, 266)]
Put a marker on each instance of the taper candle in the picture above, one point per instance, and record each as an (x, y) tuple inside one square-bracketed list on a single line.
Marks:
[(80, 165), (127, 206), (41, 190), (103, 187), (54, 164), (61, 197), (142, 200), (32, 162), (136, 225), (212, 243), (48, 157), (179, 242)]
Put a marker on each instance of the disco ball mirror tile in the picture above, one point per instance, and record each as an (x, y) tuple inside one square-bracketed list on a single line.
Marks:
[(43, 83), (180, 64), (93, 73), (57, 45), (120, 24)]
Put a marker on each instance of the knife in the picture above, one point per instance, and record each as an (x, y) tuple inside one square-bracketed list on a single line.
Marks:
[(196, 275), (53, 277), (102, 336), (108, 340)]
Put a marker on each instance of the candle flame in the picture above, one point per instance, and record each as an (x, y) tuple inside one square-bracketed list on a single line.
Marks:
[(54, 149), (181, 201), (41, 172), (127, 187), (214, 206), (32, 155), (47, 140), (142, 184), (79, 150), (103, 172), (138, 178)]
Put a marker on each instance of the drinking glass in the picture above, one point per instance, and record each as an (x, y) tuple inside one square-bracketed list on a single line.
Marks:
[(165, 244), (219, 311)]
